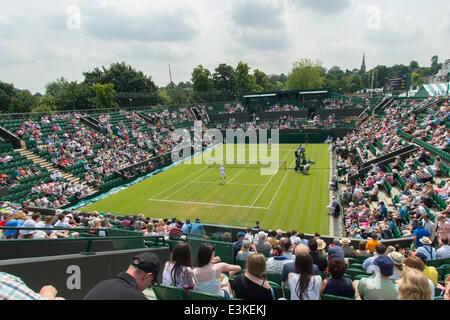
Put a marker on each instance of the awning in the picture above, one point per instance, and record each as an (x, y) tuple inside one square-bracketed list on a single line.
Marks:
[(313, 92), (261, 95)]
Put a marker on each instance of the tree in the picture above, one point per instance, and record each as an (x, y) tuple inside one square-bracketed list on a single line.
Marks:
[(305, 74), (245, 82), (416, 80), (23, 102), (104, 94), (224, 80), (48, 102), (7, 93), (262, 80), (413, 65), (201, 79)]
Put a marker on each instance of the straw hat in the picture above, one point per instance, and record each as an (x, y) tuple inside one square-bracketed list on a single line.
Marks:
[(345, 240), (397, 257), (321, 244), (425, 240)]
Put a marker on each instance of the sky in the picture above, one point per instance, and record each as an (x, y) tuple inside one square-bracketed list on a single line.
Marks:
[(42, 40)]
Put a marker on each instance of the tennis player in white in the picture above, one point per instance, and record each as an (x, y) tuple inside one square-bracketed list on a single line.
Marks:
[(222, 174)]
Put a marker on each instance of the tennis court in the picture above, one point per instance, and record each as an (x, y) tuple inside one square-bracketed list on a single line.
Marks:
[(286, 199)]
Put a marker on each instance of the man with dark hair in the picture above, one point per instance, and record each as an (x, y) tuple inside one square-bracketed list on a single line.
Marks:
[(444, 251), (128, 285), (176, 231), (380, 249), (197, 228)]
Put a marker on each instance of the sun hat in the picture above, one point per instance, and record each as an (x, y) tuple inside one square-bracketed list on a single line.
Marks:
[(28, 224), (336, 252), (321, 244), (261, 234), (397, 257), (425, 240), (345, 240)]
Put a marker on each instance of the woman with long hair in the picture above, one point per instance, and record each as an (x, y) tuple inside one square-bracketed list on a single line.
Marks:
[(178, 271), (303, 283), (208, 273)]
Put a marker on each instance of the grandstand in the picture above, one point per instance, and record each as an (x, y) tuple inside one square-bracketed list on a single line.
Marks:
[(114, 167)]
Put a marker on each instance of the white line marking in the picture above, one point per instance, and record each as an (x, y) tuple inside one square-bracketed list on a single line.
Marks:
[(234, 184), (178, 182), (267, 183), (240, 171), (187, 184), (208, 204), (285, 175)]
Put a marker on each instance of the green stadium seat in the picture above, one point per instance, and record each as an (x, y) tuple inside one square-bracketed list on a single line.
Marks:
[(197, 295), (274, 277), (163, 292)]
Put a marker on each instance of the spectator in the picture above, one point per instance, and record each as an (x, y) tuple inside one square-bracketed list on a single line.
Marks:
[(337, 285), (150, 231), (275, 264), (13, 288), (162, 229), (397, 257), (290, 266), (372, 243), (444, 251), (362, 250), (207, 275), (429, 226), (129, 285), (417, 263), (318, 259), (418, 233), (348, 250), (379, 287), (426, 249), (304, 285), (413, 285), (178, 271), (251, 285), (187, 227), (238, 244), (380, 249), (262, 246), (197, 228), (429, 271), (245, 250), (443, 228), (176, 231), (272, 238)]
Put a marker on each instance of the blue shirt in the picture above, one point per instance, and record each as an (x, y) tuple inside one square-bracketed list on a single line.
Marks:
[(383, 211), (443, 252), (419, 233), (196, 228), (186, 228)]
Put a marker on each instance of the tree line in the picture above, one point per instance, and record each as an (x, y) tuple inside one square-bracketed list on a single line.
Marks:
[(122, 85)]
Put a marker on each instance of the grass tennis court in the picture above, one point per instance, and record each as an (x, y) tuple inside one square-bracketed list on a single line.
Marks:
[(284, 200)]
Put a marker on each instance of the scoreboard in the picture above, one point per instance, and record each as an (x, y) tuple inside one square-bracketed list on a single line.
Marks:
[(396, 83)]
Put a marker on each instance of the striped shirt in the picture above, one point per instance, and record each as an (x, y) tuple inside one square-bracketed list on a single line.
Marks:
[(176, 232), (13, 288)]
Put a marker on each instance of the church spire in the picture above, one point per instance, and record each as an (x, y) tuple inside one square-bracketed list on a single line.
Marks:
[(363, 65)]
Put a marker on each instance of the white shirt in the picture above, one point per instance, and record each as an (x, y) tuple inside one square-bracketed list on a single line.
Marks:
[(222, 170), (313, 290)]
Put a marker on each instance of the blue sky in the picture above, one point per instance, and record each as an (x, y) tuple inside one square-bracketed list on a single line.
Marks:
[(42, 40)]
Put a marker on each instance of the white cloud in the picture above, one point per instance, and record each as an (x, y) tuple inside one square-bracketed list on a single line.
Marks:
[(37, 47)]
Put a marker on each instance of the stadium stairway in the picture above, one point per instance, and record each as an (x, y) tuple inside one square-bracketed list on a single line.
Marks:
[(44, 163)]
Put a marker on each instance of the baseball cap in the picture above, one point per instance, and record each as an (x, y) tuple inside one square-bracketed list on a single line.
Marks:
[(336, 252), (11, 232), (240, 234), (421, 256), (147, 262), (384, 264)]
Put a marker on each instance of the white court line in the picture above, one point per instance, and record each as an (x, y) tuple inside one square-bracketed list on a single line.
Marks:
[(179, 182), (234, 184), (285, 175), (208, 204), (267, 183), (187, 184), (238, 174)]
